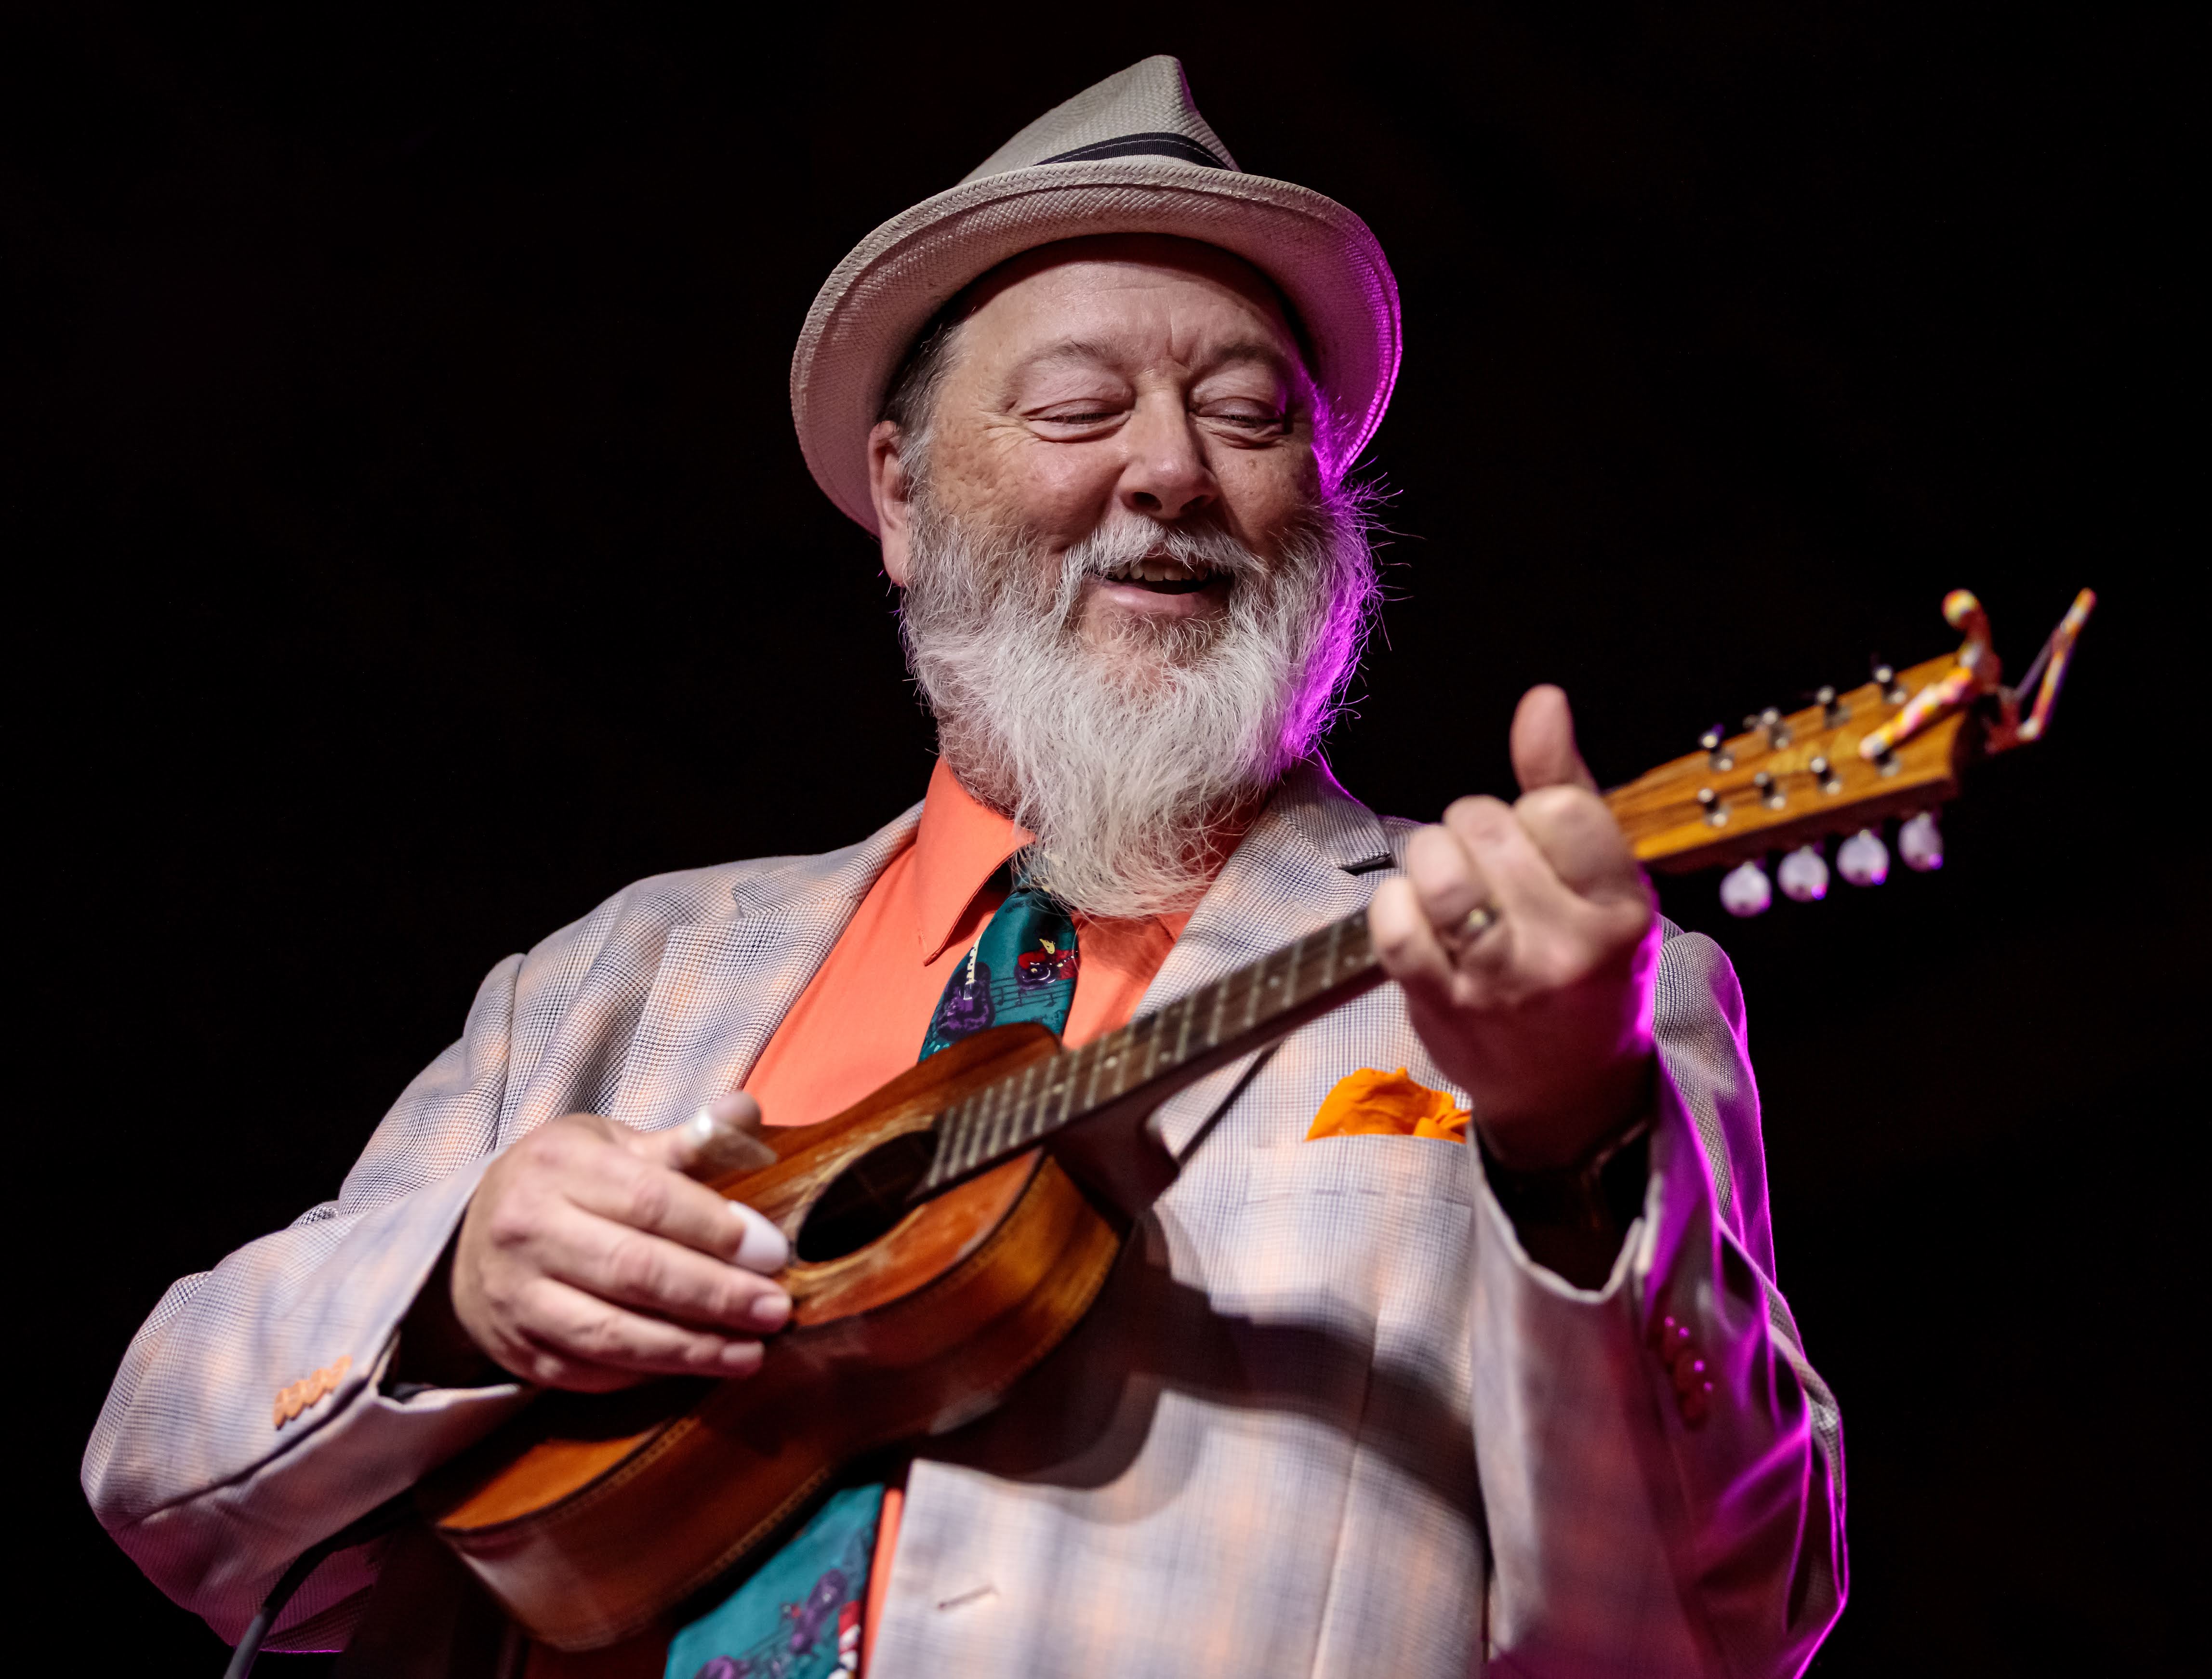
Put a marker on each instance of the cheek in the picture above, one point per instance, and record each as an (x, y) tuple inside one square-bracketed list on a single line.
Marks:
[(1055, 491), (1264, 492)]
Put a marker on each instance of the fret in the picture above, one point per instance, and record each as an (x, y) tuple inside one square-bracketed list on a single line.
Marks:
[(1252, 998), (1091, 1090), (1183, 1032), (994, 1130), (1328, 965), (1024, 1126), (978, 1116), (1220, 989), (1008, 1124), (996, 1124), (978, 1128), (952, 1138), (1113, 1063), (1290, 997)]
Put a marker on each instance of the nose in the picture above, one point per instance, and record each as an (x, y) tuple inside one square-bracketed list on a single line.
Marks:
[(1164, 475)]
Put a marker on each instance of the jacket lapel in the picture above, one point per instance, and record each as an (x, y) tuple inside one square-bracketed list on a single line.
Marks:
[(724, 985), (1289, 877)]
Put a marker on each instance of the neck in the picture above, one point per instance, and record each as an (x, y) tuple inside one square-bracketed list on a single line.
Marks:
[(1112, 1083)]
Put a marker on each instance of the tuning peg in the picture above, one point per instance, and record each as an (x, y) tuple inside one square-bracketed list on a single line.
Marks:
[(1862, 859), (1746, 891), (1893, 691), (1833, 712), (1804, 874), (1920, 843), (1717, 753), (1771, 723)]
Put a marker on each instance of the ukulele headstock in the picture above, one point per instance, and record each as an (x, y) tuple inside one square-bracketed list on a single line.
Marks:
[(1892, 748)]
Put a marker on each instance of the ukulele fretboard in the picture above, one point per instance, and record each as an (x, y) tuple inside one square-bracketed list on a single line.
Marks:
[(1189, 1037)]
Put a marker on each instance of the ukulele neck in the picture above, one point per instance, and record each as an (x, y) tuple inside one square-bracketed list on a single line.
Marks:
[(1128, 1072)]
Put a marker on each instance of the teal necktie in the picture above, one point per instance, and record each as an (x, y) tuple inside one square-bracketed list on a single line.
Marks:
[(799, 1615), (1022, 968)]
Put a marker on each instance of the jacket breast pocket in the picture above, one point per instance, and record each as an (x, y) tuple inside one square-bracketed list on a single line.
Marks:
[(1365, 1232)]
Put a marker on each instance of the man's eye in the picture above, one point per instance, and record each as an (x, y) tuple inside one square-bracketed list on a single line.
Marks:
[(1250, 419), (1089, 417)]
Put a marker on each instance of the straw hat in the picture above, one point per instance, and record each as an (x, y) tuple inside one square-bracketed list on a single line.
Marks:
[(1131, 155)]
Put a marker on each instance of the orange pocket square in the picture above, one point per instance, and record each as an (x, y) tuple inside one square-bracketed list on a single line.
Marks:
[(1371, 1104)]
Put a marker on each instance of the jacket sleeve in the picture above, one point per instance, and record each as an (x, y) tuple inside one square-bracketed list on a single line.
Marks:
[(1662, 1469), (194, 1466)]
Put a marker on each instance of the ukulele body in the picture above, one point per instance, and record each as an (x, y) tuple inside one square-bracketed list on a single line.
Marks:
[(591, 1514)]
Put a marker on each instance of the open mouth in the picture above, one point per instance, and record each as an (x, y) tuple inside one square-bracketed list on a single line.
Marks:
[(1161, 575)]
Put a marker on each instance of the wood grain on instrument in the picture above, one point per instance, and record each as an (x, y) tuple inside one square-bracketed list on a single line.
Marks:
[(594, 1514), (1673, 832)]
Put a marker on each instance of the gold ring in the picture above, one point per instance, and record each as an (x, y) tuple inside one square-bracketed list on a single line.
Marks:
[(1480, 920)]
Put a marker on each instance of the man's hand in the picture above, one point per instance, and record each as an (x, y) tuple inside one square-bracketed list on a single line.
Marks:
[(1544, 1017), (587, 1260)]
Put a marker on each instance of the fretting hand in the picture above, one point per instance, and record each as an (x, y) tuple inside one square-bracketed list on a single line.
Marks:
[(1541, 1008)]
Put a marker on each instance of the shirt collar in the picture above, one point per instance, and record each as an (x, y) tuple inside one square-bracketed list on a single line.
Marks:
[(959, 848)]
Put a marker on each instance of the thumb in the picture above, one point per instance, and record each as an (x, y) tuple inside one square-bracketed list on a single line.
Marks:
[(1543, 742), (721, 1138)]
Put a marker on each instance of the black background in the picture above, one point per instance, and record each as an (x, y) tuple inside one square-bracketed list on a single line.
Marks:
[(409, 547)]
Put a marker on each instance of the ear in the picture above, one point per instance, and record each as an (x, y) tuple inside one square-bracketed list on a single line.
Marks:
[(892, 491)]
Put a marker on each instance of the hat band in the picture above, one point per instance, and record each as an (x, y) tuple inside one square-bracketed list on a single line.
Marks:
[(1138, 145)]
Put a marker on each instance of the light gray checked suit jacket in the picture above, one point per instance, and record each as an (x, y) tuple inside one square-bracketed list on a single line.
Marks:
[(1328, 1419)]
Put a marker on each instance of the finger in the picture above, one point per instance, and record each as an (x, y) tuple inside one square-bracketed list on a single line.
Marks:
[(634, 1268), (617, 1184), (1522, 886), (569, 1338), (1405, 942), (1448, 882), (1543, 742), (1579, 836)]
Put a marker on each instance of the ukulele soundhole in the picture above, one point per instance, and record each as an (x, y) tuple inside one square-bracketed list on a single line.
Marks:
[(866, 1199)]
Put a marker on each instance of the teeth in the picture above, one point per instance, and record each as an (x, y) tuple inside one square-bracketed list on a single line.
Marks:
[(1154, 571)]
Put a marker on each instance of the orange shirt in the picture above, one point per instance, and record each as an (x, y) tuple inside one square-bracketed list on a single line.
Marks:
[(860, 1021)]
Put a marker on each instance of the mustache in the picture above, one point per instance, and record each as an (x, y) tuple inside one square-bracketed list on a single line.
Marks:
[(1117, 545)]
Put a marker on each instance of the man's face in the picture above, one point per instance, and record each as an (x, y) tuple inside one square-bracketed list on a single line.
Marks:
[(1118, 380)]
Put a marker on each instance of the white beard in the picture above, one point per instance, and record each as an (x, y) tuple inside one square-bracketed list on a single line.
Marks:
[(1130, 761)]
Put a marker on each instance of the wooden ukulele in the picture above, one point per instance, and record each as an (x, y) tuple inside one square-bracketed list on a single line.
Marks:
[(951, 1230)]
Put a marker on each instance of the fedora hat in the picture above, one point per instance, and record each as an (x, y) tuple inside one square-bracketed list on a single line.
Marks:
[(1129, 155)]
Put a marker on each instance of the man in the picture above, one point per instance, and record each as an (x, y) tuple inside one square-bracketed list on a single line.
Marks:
[(1363, 1398)]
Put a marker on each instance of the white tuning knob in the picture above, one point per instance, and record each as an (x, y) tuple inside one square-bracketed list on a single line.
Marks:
[(1920, 843), (1746, 891), (1804, 874), (1862, 859)]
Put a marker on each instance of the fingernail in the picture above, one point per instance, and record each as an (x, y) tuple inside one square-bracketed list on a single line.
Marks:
[(740, 1354), (764, 1248), (771, 1311)]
